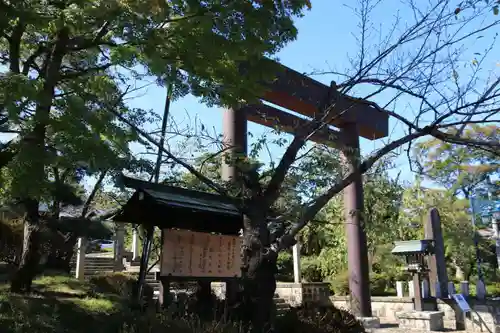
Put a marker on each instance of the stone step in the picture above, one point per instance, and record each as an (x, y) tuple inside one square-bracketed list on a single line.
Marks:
[(86, 270), (282, 306), (99, 265), (94, 271), (91, 264), (95, 259), (96, 266)]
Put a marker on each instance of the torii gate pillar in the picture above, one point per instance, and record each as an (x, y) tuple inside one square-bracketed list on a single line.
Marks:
[(235, 140), (357, 251)]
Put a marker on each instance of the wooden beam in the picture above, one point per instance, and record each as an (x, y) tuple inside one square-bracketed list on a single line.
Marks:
[(302, 94), (269, 116)]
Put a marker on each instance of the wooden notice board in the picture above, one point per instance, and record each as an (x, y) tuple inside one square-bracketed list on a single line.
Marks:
[(196, 254)]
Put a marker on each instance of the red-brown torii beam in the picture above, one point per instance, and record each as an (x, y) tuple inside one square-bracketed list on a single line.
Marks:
[(306, 96), (269, 116)]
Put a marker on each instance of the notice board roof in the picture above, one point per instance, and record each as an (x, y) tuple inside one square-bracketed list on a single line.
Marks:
[(174, 207)]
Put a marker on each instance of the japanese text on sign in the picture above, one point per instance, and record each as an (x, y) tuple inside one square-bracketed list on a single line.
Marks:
[(187, 253)]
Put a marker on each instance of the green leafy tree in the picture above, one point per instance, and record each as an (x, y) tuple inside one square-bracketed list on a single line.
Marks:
[(458, 232), (432, 45), (382, 200), (461, 169), (65, 82)]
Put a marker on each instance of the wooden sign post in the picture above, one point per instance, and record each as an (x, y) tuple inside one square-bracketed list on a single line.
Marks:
[(189, 255), (200, 255)]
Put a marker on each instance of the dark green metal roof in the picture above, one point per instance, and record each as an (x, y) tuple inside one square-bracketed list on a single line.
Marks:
[(174, 207), (187, 200), (412, 246)]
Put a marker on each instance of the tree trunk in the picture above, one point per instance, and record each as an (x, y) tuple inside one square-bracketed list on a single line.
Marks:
[(259, 280), (27, 269), (70, 251), (33, 146), (60, 258)]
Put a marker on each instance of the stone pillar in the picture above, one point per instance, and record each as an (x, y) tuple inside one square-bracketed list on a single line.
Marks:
[(418, 290), (119, 246), (400, 288), (436, 262), (464, 288), (296, 263), (496, 236), (411, 289), (426, 289), (80, 258), (135, 244), (357, 250), (451, 288), (480, 290), (438, 290)]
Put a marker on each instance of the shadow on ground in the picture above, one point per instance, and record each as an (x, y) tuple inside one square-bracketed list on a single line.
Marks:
[(61, 305)]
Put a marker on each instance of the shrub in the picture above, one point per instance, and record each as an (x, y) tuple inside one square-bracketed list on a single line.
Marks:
[(119, 284), (493, 290), (285, 267), (318, 319), (11, 239), (339, 284), (378, 284), (311, 270)]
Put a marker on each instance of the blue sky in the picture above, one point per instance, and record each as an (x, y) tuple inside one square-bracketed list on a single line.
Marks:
[(326, 40)]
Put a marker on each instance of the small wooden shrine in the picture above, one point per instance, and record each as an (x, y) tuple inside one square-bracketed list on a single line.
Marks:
[(199, 232)]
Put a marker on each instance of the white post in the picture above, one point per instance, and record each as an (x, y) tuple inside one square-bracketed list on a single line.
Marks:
[(411, 289), (438, 289), (80, 258), (451, 289), (464, 288), (296, 263), (480, 290), (118, 246), (496, 236), (135, 244), (399, 288), (425, 289)]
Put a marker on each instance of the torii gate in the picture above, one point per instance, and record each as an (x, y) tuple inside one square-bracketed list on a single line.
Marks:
[(303, 95)]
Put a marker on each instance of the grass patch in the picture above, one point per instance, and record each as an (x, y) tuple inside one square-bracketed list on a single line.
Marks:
[(95, 305), (61, 304), (62, 285)]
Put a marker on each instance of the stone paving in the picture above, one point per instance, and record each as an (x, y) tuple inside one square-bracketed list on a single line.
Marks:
[(391, 327)]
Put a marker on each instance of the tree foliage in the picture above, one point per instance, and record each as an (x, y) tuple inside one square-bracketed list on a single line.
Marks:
[(461, 169), (70, 64)]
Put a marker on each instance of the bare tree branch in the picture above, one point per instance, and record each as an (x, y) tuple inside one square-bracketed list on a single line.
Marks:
[(97, 187), (311, 210), (190, 168)]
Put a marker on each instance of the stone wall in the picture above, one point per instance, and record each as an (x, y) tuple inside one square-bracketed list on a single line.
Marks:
[(485, 316), (219, 289), (297, 294), (382, 307)]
